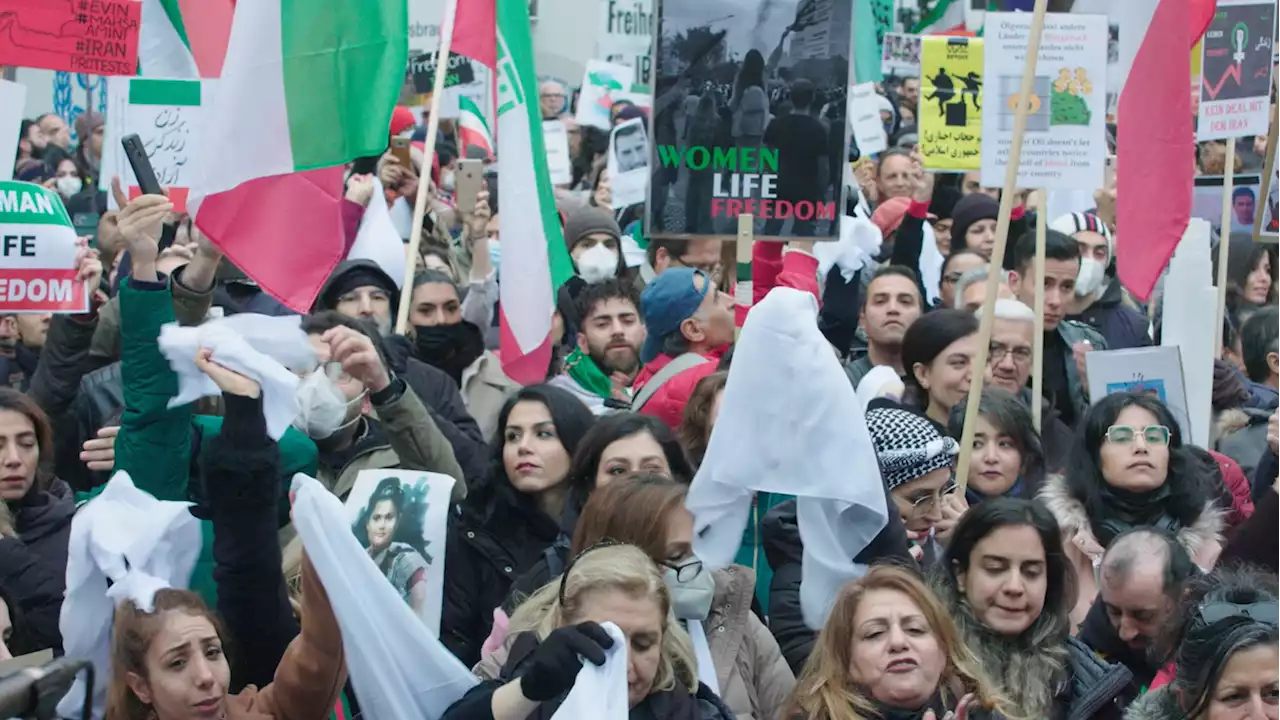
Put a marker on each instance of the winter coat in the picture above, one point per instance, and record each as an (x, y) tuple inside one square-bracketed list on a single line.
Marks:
[(668, 402), (485, 389), (98, 403), (1235, 481), (1159, 704), (1120, 325), (754, 678), (1254, 541), (1241, 435), (1071, 333), (784, 550), (33, 565), (1056, 437), (1202, 539), (1098, 688)]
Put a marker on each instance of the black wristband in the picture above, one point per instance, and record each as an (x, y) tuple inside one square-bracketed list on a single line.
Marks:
[(390, 393)]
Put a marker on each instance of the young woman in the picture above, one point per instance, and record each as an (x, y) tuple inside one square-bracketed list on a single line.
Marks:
[(617, 584), (1007, 458), (1008, 585), (889, 650), (1130, 469), (378, 527), (1228, 653), (957, 263), (937, 353), (506, 521)]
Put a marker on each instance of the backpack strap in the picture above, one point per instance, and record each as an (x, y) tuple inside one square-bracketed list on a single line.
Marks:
[(662, 377)]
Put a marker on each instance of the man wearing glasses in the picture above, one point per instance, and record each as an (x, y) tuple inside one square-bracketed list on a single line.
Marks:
[(551, 99)]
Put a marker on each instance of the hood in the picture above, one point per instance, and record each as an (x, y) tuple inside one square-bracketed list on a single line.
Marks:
[(1262, 397), (325, 302), (42, 513), (780, 535), (1229, 421), (1158, 704), (735, 586)]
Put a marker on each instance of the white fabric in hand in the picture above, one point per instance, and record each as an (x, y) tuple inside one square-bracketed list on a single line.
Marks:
[(378, 238), (859, 244), (600, 692)]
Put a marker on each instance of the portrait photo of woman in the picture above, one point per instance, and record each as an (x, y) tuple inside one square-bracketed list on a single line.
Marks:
[(390, 527)]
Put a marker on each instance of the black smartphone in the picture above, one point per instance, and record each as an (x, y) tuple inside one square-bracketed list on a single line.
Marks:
[(141, 164)]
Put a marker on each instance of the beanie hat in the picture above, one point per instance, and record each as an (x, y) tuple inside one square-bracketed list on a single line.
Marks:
[(358, 274), (88, 121), (943, 203), (968, 211), (908, 446), (589, 219), (1075, 222), (888, 215), (401, 119)]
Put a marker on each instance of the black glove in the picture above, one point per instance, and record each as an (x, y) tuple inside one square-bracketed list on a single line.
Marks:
[(554, 665)]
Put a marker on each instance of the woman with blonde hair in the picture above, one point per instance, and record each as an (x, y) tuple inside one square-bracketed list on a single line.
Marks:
[(890, 650), (560, 626)]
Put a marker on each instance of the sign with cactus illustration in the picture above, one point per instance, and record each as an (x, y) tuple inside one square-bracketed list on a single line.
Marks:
[(1064, 143)]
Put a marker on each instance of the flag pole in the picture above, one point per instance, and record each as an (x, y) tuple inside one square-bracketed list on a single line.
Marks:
[(742, 257), (1037, 366), (979, 366), (428, 157), (1224, 242)]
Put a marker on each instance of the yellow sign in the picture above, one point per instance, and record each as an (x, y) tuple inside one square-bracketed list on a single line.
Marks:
[(949, 115)]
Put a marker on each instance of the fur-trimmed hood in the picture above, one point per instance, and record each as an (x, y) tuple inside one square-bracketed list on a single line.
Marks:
[(1229, 421), (1158, 704), (1072, 519)]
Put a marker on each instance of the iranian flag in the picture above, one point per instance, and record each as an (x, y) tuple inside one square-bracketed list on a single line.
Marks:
[(945, 17), (183, 39), (471, 126), (307, 86), (535, 261)]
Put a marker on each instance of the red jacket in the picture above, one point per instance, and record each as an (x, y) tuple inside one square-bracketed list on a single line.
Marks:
[(1241, 497)]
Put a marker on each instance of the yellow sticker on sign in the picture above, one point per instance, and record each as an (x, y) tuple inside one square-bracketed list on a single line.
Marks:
[(949, 114)]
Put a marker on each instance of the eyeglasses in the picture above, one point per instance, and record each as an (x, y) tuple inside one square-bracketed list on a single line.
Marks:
[(951, 278), (1125, 435), (922, 505), (686, 572), (1021, 355), (1264, 612), (712, 270)]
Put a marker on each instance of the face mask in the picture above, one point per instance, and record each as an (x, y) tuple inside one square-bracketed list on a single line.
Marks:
[(69, 185), (691, 600), (448, 347), (447, 181), (1090, 277), (495, 252), (322, 408), (598, 264)]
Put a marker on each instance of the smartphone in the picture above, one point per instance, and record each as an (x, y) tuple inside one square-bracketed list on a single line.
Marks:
[(400, 150), (141, 164), (469, 179)]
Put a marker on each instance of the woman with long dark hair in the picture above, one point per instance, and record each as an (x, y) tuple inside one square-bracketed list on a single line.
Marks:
[(937, 354), (379, 527)]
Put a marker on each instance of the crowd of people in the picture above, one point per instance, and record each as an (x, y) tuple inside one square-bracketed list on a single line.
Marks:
[(1102, 566)]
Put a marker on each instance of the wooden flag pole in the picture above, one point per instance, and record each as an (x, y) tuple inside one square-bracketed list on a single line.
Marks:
[(1037, 362), (1224, 242), (428, 156), (979, 366), (742, 256)]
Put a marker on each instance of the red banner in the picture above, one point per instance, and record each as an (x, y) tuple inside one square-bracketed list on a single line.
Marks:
[(98, 37)]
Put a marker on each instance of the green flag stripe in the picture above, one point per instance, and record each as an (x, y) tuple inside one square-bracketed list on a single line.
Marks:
[(343, 62), (744, 272), (26, 204), (173, 9), (932, 16), (164, 92)]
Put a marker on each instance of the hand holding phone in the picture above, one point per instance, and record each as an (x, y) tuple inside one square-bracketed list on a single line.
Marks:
[(141, 164), (469, 179)]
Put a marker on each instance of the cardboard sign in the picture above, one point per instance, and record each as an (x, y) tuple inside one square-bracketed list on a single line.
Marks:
[(901, 55), (626, 36), (401, 517), (1246, 203), (628, 163), (1267, 226), (949, 115), (422, 68), (864, 118), (555, 137), (166, 114), (13, 101), (1235, 70), (98, 37), (1065, 144), (603, 84), (1156, 371), (37, 253)]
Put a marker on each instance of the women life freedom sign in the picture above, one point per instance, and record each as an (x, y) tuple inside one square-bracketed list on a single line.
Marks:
[(37, 253)]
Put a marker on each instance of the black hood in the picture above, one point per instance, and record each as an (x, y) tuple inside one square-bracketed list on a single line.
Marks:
[(327, 299)]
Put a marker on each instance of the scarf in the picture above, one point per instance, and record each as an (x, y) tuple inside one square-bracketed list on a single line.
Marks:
[(588, 374), (1125, 509)]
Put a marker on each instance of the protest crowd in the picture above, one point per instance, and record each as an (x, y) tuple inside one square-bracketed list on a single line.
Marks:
[(563, 451)]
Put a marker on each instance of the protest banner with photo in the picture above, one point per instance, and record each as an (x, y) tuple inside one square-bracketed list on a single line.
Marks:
[(37, 253), (625, 36), (1065, 144), (1235, 70), (401, 517), (901, 55), (1156, 371), (13, 102), (1206, 201), (864, 119), (166, 115), (555, 136), (603, 85), (949, 115), (1267, 226), (98, 38), (736, 129), (422, 69), (628, 163)]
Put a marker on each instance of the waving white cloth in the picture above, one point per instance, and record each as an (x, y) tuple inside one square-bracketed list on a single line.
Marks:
[(378, 238), (859, 244), (262, 348), (785, 375), (931, 262), (400, 671), (600, 691), (140, 545)]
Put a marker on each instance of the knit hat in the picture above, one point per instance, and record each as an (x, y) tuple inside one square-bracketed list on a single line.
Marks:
[(908, 446), (1075, 222), (88, 121), (888, 215), (588, 219), (943, 203), (968, 211), (401, 119)]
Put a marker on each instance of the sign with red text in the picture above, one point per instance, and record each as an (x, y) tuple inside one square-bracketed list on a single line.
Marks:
[(37, 253), (1235, 70), (98, 37)]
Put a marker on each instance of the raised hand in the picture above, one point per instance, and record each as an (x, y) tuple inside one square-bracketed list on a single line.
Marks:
[(100, 453), (228, 381), (359, 359)]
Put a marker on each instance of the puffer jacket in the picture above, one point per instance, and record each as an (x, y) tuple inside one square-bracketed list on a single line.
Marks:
[(668, 402), (1241, 435), (1120, 325), (754, 678), (1098, 688)]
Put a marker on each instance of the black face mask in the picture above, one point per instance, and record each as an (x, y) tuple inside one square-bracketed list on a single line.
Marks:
[(451, 348)]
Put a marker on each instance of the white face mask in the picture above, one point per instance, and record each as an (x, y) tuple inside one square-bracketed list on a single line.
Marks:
[(1090, 278), (68, 185), (322, 408), (691, 600), (598, 264), (447, 181)]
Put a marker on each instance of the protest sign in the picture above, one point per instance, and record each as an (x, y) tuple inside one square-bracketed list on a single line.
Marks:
[(401, 517), (1156, 371), (98, 37), (864, 118), (628, 163), (166, 114), (555, 137), (949, 115), (13, 102), (901, 55), (1235, 70), (1267, 226), (37, 253), (625, 36), (422, 69), (1065, 144), (604, 84), (778, 161), (1206, 201)]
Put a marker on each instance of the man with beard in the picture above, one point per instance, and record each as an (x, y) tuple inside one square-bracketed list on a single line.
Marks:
[(22, 337), (605, 362), (891, 304)]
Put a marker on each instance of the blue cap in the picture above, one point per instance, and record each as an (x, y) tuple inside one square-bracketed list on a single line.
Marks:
[(669, 300)]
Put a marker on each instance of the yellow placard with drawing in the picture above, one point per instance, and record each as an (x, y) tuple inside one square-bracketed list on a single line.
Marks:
[(949, 115)]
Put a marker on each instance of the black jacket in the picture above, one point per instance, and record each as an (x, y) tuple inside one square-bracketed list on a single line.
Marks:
[(783, 549), (98, 403), (1121, 326), (33, 566), (1098, 689), (55, 387)]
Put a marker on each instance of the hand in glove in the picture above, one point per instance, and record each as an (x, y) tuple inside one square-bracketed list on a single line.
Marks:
[(555, 664)]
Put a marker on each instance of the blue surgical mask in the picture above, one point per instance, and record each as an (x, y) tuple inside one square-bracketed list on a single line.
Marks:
[(495, 252)]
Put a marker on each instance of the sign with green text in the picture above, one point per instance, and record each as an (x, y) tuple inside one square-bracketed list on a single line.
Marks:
[(37, 253)]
